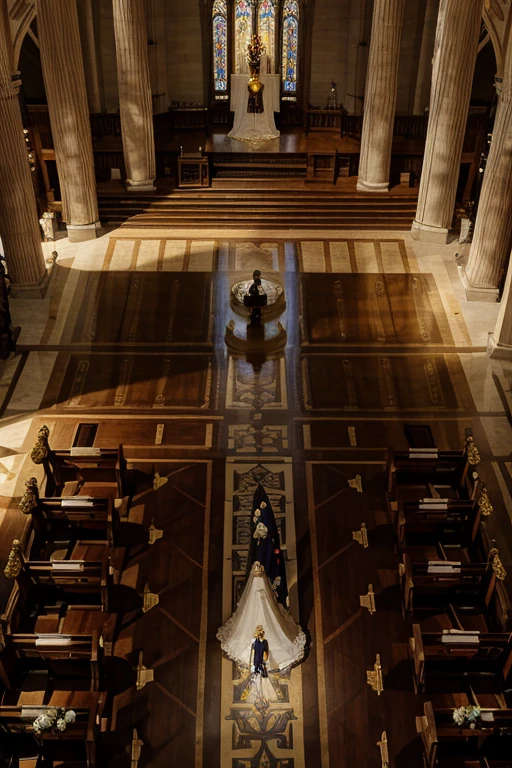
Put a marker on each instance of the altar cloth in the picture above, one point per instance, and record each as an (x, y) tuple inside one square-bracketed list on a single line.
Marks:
[(254, 127)]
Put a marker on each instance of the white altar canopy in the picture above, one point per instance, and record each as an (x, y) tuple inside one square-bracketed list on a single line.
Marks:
[(249, 127)]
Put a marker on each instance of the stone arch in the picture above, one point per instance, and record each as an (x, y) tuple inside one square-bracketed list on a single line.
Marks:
[(21, 15), (497, 16)]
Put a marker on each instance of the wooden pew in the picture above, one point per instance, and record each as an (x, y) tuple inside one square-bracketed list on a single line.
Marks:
[(84, 649), (94, 465), (83, 568), (80, 466), (460, 659), (437, 584), (82, 513), (417, 467), (449, 521), (17, 719), (91, 633), (437, 729)]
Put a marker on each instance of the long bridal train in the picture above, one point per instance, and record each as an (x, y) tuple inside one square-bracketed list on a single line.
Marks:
[(258, 607)]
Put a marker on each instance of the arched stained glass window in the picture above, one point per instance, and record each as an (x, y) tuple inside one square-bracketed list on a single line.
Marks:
[(220, 45), (243, 32), (267, 29), (290, 46)]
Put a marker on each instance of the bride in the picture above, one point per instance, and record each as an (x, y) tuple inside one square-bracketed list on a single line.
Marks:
[(257, 611)]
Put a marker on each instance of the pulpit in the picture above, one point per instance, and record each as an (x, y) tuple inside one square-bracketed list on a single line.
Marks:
[(254, 127)]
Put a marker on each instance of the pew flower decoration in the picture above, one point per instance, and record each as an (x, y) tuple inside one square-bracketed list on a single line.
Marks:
[(54, 719), (466, 716)]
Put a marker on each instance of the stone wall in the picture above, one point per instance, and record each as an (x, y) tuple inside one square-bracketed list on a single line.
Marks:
[(341, 34), (339, 50)]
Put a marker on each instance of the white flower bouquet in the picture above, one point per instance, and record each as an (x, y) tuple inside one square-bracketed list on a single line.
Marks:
[(54, 719), (467, 716)]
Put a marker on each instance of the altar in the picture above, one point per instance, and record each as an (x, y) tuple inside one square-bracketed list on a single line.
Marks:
[(254, 127)]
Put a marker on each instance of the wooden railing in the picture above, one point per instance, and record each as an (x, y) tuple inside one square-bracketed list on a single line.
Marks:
[(183, 118), (407, 127), (324, 120)]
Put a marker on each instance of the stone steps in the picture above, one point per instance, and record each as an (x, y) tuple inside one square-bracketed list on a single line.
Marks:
[(273, 208)]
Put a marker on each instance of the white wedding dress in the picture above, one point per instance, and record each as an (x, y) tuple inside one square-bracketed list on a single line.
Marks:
[(258, 606)]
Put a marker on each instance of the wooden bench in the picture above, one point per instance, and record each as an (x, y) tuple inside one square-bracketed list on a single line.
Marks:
[(450, 521), (460, 659), (418, 467), (17, 719), (81, 567), (85, 513), (79, 466), (24, 649), (437, 729), (439, 584)]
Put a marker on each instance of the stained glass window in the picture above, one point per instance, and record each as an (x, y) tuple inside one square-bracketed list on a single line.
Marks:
[(267, 29), (220, 45), (243, 32), (290, 46)]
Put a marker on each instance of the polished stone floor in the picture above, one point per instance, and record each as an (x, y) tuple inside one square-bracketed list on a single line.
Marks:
[(131, 337)]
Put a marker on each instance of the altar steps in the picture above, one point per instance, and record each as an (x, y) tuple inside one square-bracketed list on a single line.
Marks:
[(302, 209)]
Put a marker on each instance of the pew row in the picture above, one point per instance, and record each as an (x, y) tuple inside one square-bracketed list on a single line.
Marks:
[(17, 720), (458, 660), (438, 584), (438, 731)]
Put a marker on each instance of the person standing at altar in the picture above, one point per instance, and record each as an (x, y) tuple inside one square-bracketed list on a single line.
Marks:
[(255, 298)]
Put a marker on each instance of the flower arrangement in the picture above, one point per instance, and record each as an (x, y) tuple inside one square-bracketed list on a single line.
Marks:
[(466, 716), (255, 50), (55, 719)]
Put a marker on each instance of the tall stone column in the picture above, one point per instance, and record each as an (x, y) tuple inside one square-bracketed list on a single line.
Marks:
[(135, 100), (64, 79), (452, 77), (500, 342), (492, 238), (380, 96), (424, 77), (89, 38), (19, 227)]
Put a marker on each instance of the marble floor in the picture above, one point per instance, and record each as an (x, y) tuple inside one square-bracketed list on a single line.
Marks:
[(130, 336)]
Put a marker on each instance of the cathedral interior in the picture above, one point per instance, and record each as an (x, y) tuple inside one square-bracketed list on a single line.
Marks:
[(254, 292)]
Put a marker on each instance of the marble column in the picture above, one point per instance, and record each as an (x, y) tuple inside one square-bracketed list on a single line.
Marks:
[(19, 226), (380, 96), (500, 342), (89, 39), (492, 237), (64, 79), (424, 77), (452, 77), (135, 100)]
